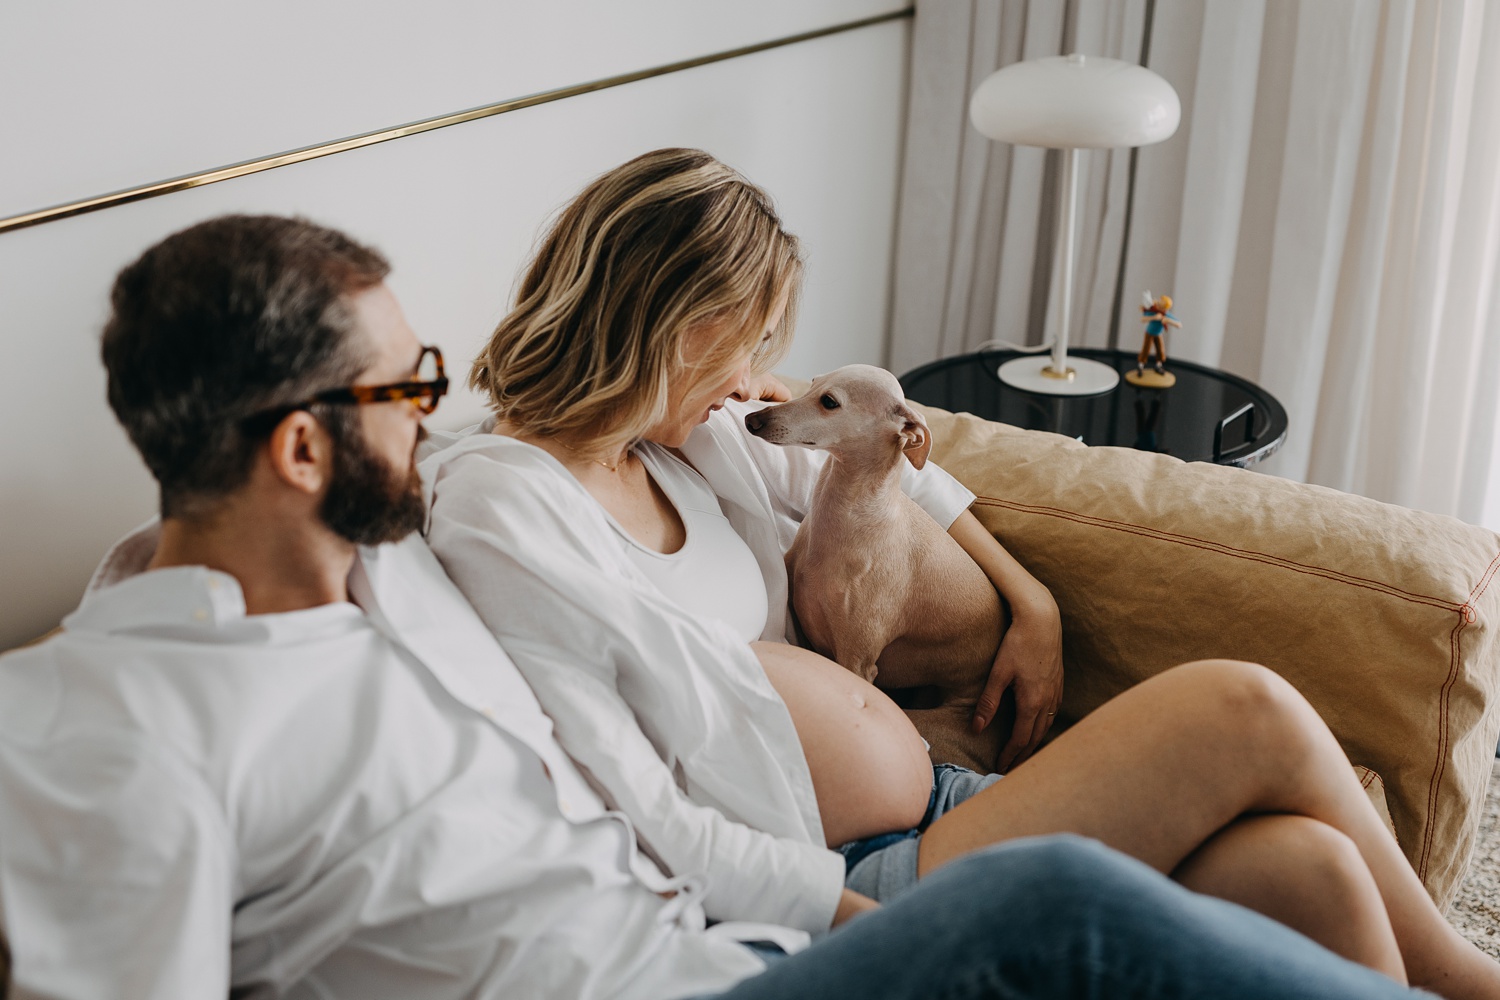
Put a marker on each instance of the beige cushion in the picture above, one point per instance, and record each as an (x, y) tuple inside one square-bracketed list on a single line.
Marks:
[(1383, 617)]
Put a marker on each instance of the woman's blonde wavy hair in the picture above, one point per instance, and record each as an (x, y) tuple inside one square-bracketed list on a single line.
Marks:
[(668, 245)]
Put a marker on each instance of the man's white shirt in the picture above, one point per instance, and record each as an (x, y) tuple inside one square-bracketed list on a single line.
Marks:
[(345, 801)]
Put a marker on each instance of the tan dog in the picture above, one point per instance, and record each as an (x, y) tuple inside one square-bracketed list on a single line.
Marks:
[(877, 585)]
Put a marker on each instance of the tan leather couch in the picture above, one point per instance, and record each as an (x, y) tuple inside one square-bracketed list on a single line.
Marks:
[(1385, 618)]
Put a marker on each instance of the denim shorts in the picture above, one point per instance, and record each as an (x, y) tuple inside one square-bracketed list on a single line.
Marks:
[(885, 865)]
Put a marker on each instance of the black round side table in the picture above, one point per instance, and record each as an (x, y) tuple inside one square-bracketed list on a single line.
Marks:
[(1208, 416)]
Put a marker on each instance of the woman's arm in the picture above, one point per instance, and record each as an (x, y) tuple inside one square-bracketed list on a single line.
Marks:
[(1030, 658), (752, 875)]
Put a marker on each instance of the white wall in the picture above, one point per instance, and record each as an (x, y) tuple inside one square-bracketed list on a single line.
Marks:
[(161, 88)]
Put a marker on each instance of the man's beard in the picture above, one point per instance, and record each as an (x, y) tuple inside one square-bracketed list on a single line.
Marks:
[(369, 502)]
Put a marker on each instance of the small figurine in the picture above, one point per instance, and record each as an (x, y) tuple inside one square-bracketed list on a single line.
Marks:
[(1156, 314)]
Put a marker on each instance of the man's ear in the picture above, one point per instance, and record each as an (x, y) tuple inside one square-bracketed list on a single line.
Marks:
[(916, 439), (300, 452)]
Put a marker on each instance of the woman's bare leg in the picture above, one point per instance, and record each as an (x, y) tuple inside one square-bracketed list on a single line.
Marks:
[(1323, 887), (1165, 766)]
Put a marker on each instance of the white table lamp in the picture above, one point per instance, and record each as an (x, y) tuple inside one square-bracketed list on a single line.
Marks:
[(1071, 103)]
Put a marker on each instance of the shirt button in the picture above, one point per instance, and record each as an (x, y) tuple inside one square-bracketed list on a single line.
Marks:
[(488, 711), (200, 615), (213, 583)]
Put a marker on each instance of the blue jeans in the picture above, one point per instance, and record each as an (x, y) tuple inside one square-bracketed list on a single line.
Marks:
[(884, 866), (1059, 917)]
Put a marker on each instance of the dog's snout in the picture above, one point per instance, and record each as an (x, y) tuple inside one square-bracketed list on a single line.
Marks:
[(755, 421)]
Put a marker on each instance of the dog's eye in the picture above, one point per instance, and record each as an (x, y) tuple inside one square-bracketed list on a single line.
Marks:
[(829, 403)]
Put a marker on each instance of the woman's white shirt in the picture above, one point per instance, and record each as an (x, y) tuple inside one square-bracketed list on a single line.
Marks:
[(668, 713), (671, 717)]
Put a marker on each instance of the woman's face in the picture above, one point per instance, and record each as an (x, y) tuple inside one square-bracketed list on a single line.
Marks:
[(691, 404)]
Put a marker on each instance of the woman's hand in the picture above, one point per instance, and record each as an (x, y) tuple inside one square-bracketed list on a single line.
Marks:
[(852, 904), (1029, 662), (768, 388)]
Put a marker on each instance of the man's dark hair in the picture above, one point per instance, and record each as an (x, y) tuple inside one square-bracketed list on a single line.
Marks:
[(230, 318)]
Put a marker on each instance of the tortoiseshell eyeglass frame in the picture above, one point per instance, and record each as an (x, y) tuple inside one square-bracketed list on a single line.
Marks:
[(424, 394)]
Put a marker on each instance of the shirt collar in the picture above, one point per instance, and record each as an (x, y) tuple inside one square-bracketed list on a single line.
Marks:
[(123, 597), (127, 557)]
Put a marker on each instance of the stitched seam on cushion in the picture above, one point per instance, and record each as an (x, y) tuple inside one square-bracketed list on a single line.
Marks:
[(1368, 779), (1484, 581), (1222, 549), (1466, 617), (1440, 766)]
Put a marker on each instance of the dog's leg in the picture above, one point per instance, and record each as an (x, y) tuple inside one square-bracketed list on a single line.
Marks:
[(856, 653)]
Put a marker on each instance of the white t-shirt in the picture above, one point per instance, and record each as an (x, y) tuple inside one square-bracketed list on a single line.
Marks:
[(714, 574)]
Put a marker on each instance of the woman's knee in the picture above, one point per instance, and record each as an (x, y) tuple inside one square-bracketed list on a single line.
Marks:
[(1253, 704), (1326, 864)]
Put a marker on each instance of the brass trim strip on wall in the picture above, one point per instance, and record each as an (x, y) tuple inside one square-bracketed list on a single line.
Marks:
[(255, 166)]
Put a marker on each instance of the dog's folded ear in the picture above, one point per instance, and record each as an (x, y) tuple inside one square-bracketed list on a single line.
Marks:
[(916, 439)]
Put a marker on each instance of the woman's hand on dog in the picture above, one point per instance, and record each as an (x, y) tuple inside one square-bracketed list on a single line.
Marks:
[(1029, 661), (767, 388), (1029, 664)]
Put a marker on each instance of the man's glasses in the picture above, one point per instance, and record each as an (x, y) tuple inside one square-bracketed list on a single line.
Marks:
[(424, 391)]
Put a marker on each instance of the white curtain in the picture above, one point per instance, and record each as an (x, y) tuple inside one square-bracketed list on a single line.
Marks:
[(1327, 218)]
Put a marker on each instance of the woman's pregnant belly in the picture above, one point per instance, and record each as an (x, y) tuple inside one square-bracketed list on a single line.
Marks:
[(869, 767)]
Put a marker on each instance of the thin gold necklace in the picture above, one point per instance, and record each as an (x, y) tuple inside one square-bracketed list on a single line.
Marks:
[(597, 461)]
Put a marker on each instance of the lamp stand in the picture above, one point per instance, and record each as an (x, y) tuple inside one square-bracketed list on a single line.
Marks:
[(1060, 375)]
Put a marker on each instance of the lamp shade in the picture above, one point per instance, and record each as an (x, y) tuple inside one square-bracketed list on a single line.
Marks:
[(1075, 102)]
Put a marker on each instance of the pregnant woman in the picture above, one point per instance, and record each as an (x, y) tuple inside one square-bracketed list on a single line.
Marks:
[(622, 535)]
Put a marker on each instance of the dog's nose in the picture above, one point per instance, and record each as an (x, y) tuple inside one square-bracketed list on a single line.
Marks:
[(755, 422)]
